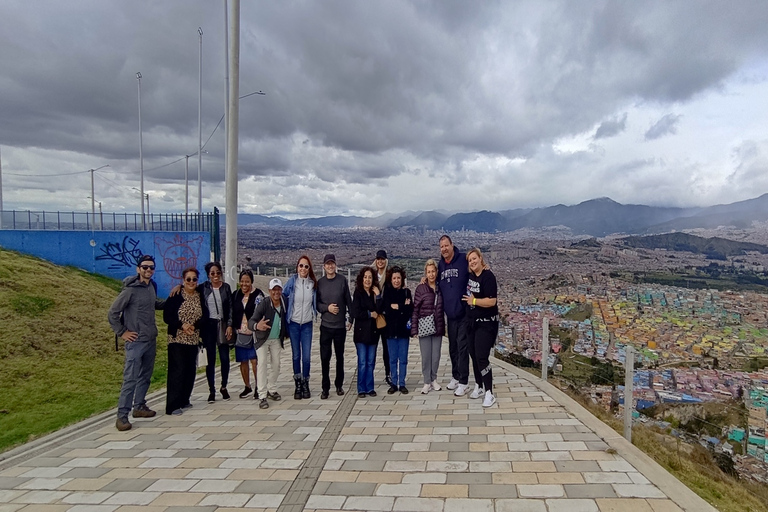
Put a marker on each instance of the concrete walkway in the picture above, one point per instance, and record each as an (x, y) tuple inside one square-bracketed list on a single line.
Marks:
[(536, 450)]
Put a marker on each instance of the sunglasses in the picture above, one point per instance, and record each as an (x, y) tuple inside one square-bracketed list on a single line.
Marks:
[(215, 273), (147, 267), (191, 279), (303, 265)]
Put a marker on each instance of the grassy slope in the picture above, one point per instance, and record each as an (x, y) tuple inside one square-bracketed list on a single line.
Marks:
[(59, 363)]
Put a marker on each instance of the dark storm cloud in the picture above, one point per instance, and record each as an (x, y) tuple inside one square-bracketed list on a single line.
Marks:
[(611, 127), (664, 126)]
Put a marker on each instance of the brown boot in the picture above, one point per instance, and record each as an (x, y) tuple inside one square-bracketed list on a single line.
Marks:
[(123, 424)]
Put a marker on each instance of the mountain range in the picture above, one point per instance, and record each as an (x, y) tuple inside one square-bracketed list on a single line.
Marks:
[(596, 217)]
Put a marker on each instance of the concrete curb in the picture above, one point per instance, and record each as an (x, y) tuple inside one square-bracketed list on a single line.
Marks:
[(678, 492), (62, 436)]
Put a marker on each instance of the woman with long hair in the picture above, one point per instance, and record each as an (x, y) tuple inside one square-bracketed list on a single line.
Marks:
[(217, 330), (184, 313), (428, 324), (380, 266), (483, 324), (365, 309), (300, 297), (244, 301), (397, 308)]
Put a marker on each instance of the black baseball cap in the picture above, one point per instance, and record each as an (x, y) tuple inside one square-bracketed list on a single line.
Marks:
[(381, 254), (329, 257), (145, 257)]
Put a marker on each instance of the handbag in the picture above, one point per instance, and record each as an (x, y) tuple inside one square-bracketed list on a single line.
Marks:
[(381, 322), (244, 340), (202, 357), (427, 324)]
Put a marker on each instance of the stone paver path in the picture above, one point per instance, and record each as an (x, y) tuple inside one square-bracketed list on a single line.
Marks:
[(535, 451)]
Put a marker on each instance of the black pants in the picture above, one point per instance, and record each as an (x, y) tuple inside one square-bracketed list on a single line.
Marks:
[(457, 349), (482, 338), (211, 342), (182, 367), (382, 333), (332, 339)]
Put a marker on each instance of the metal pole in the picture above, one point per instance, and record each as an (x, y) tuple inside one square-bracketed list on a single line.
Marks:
[(200, 128), (1, 192), (232, 145), (186, 193), (629, 372), (544, 348), (141, 156), (226, 84), (93, 200), (101, 218)]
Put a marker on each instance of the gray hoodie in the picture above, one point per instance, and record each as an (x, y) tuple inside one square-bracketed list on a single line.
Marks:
[(134, 309)]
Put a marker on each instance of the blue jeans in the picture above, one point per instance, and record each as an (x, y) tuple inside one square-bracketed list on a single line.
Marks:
[(301, 346), (398, 359), (366, 360), (139, 364)]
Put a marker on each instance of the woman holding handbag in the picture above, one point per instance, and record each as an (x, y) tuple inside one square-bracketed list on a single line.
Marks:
[(428, 324), (244, 302)]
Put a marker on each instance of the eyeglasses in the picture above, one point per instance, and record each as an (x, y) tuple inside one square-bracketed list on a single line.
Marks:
[(147, 267), (215, 273), (191, 279), (303, 265)]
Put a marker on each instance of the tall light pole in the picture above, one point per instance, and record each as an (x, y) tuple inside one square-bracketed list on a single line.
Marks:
[(226, 84), (1, 192), (93, 200), (200, 128), (232, 145), (143, 197), (186, 188), (141, 157)]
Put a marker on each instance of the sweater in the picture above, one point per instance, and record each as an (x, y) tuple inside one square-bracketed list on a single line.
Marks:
[(365, 326), (397, 319), (452, 279), (267, 310), (334, 291), (134, 309)]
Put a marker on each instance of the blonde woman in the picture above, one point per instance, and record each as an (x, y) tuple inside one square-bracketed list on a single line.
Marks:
[(428, 324), (482, 324), (381, 266)]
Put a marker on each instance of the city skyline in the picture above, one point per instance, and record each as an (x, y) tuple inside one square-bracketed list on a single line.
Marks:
[(388, 107)]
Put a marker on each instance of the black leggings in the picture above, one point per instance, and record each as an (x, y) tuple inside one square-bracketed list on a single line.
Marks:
[(481, 337), (182, 367), (211, 344)]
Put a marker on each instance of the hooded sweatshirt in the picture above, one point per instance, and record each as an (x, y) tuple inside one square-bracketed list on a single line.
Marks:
[(134, 309), (452, 280)]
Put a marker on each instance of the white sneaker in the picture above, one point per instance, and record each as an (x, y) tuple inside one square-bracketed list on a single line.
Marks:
[(489, 399), (461, 390), (436, 386), (425, 389), (452, 385), (478, 392)]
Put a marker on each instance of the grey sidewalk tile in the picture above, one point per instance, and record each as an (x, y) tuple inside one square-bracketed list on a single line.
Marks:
[(572, 505), (372, 503), (468, 478), (589, 491), (128, 485), (574, 466), (468, 504), (418, 504), (351, 488), (522, 505), (493, 491), (363, 465)]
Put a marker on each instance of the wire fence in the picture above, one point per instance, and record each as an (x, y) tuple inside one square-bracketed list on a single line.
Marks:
[(86, 221)]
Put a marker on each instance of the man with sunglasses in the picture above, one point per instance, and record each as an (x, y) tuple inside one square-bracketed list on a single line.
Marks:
[(132, 317)]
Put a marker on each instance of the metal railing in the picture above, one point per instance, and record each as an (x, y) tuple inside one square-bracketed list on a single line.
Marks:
[(85, 221)]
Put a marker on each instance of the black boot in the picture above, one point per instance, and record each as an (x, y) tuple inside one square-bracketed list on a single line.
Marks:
[(305, 388), (297, 393)]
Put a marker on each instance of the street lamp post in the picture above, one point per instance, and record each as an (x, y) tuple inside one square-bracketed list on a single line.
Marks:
[(144, 195), (93, 200), (141, 157), (200, 128)]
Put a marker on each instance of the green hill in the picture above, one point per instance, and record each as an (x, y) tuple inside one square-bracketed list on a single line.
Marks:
[(717, 248), (59, 364)]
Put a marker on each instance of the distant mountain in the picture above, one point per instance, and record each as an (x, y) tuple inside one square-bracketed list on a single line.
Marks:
[(717, 248), (596, 218)]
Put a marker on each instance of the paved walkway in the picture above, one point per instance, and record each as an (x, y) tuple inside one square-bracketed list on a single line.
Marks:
[(536, 450)]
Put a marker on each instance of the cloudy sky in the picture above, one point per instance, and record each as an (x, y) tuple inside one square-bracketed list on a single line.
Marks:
[(387, 106)]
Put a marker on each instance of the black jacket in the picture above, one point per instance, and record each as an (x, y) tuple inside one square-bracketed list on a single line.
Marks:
[(237, 306), (397, 319), (171, 313), (226, 300), (365, 326), (265, 309)]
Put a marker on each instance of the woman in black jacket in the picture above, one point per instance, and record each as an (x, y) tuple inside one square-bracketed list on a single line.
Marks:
[(397, 310), (244, 301), (217, 330), (365, 309), (184, 313)]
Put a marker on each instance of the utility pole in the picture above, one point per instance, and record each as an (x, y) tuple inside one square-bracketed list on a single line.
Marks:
[(226, 85), (232, 146), (200, 128), (93, 197), (544, 348), (141, 158), (629, 371), (1, 192), (186, 192)]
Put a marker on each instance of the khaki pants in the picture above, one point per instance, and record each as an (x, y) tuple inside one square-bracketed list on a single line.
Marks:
[(267, 381)]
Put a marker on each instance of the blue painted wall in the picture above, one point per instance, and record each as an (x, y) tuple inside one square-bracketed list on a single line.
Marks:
[(115, 253)]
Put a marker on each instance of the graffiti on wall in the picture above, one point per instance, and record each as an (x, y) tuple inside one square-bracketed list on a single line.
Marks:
[(179, 253), (120, 254)]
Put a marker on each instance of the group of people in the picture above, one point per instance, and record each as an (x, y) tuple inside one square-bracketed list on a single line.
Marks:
[(460, 288)]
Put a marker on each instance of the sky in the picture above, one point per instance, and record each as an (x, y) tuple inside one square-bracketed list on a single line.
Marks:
[(386, 106)]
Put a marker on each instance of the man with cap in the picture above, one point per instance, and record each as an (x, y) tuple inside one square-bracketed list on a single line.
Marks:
[(270, 328), (333, 304), (132, 317), (380, 264)]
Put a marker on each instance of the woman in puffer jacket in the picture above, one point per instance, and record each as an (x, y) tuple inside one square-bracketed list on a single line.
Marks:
[(428, 324)]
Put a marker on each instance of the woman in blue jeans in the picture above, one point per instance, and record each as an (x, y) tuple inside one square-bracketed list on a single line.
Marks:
[(365, 308), (299, 293), (397, 308)]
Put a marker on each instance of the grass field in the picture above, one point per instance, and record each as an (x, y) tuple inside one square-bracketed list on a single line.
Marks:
[(59, 364)]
